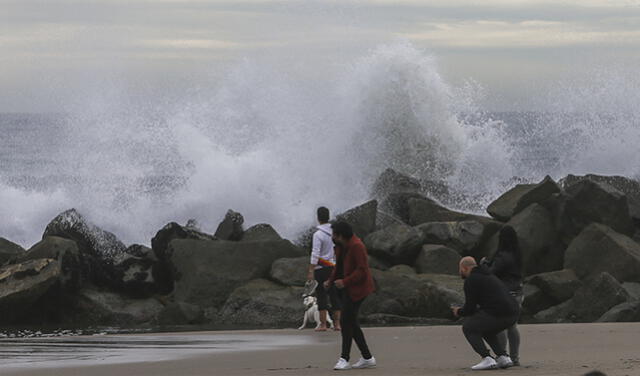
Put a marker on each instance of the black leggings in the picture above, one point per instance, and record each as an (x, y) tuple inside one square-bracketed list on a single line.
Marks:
[(351, 328)]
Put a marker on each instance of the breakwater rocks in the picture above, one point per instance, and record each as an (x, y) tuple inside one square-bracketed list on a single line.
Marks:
[(579, 238)]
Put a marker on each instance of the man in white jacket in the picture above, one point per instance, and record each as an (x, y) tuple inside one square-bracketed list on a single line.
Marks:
[(323, 260)]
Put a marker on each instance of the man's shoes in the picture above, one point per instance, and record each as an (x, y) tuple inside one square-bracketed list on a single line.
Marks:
[(504, 361), (486, 363), (516, 362), (365, 363), (342, 365)]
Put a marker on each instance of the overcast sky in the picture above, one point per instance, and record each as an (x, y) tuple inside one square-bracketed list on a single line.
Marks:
[(50, 48)]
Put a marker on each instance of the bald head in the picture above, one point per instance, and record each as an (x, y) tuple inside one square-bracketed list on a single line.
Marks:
[(466, 266)]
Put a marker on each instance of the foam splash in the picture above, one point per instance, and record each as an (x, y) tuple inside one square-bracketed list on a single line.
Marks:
[(274, 143)]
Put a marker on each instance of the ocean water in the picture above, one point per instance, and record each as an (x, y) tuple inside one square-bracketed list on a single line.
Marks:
[(274, 142)]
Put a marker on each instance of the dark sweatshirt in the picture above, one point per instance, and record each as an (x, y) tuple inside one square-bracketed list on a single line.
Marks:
[(484, 291), (505, 267)]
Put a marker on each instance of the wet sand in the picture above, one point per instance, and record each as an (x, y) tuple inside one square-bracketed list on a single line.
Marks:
[(560, 349)]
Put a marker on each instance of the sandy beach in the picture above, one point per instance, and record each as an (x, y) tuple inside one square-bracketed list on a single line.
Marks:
[(560, 349)]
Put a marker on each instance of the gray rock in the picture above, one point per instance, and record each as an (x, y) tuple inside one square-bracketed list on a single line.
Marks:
[(535, 300), (521, 196), (181, 313), (398, 244), (361, 218), (623, 312), (598, 249), (134, 272), (555, 314), (633, 288), (98, 248), (391, 181), (412, 295), (437, 259), (461, 236), (162, 273), (398, 204), (9, 251), (206, 272), (376, 263), (538, 240), (588, 202), (261, 232), (290, 271), (559, 285), (423, 210), (21, 285), (107, 308), (595, 298), (231, 226), (385, 319), (264, 304), (384, 220), (630, 187), (402, 269), (67, 254)]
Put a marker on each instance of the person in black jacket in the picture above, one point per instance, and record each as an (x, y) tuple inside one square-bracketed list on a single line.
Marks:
[(506, 264), (488, 310)]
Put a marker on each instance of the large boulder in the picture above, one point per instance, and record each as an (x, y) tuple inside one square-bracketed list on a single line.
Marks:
[(134, 272), (397, 204), (630, 187), (262, 303), (423, 210), (437, 259), (521, 196), (22, 284), (599, 249), (160, 242), (98, 248), (461, 236), (231, 226), (538, 240), (535, 300), (412, 295), (181, 313), (361, 218), (559, 285), (595, 298), (588, 201), (290, 271), (623, 312), (206, 272), (9, 251), (95, 307), (391, 181), (260, 232), (399, 244), (555, 314), (67, 254)]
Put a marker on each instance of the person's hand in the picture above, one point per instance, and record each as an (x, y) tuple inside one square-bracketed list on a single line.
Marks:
[(456, 311), (326, 285), (339, 283)]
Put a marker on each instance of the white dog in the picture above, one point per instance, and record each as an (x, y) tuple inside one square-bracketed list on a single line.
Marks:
[(312, 314)]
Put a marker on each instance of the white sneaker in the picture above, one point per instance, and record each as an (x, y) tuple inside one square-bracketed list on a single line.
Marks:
[(504, 361), (365, 363), (342, 365), (486, 363)]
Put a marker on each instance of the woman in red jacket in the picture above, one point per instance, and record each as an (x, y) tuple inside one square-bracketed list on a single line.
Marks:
[(353, 279)]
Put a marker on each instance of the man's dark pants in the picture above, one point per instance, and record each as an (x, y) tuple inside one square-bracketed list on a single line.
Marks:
[(482, 325), (324, 296)]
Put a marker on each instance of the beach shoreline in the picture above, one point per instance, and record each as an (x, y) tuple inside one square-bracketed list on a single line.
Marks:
[(547, 349)]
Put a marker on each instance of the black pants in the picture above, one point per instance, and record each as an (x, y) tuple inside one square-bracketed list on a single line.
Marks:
[(485, 326), (324, 296), (351, 330)]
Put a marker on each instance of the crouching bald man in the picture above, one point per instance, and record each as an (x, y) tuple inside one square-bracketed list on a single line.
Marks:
[(488, 310)]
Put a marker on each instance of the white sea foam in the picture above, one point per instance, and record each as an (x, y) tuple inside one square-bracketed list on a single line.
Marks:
[(274, 140)]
